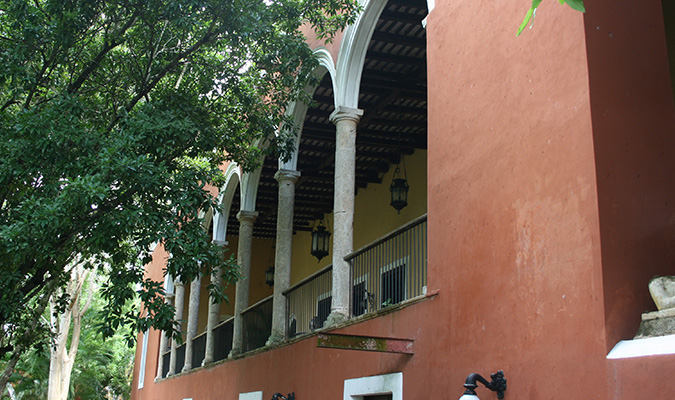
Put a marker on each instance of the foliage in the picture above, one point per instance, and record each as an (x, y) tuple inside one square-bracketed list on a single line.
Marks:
[(115, 116), (575, 4), (102, 364)]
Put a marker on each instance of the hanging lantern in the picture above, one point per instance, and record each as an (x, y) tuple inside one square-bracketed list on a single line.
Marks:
[(269, 276), (320, 243), (399, 189)]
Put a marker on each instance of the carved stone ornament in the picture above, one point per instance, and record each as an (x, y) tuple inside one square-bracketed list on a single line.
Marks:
[(661, 322), (662, 289)]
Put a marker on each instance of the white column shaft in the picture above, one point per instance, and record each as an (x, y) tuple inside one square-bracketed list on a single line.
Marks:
[(212, 321), (179, 302), (246, 220), (193, 321), (345, 120), (164, 343), (282, 257)]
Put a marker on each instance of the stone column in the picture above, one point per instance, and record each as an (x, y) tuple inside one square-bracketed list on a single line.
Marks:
[(193, 321), (213, 317), (345, 120), (282, 256), (246, 220), (164, 343), (179, 302)]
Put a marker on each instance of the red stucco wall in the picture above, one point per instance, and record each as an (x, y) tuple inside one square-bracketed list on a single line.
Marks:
[(512, 198), (541, 233), (634, 141)]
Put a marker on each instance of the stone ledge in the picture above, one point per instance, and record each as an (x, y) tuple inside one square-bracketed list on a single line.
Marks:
[(653, 346), (669, 312), (656, 327)]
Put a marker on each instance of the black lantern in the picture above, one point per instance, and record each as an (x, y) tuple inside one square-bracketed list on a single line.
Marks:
[(269, 276), (399, 189), (320, 243)]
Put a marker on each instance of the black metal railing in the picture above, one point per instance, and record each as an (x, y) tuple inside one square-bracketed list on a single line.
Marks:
[(166, 359), (222, 346), (256, 325), (198, 350), (223, 339), (180, 358), (309, 303), (391, 269)]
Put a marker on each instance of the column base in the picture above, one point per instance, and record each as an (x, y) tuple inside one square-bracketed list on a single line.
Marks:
[(335, 318), (274, 339), (206, 361), (233, 353), (186, 368)]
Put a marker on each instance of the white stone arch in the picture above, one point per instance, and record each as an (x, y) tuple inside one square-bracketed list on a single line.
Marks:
[(299, 109), (353, 53), (227, 192)]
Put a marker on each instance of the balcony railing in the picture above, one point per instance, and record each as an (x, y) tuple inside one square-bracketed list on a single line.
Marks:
[(309, 302), (166, 359), (257, 324), (198, 350), (223, 339), (223, 345), (390, 270)]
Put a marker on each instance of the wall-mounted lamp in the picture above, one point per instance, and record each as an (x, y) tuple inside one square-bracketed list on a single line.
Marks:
[(269, 276), (498, 385), (279, 396)]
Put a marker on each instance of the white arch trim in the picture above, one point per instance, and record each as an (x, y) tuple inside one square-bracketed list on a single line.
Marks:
[(299, 109), (249, 189), (353, 53), (227, 192)]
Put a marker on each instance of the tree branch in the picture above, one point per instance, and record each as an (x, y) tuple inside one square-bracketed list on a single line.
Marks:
[(19, 349), (96, 61)]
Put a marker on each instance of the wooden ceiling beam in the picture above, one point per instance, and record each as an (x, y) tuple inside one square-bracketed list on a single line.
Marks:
[(411, 41)]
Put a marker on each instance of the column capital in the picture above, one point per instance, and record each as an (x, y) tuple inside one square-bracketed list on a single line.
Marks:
[(346, 113), (287, 175), (247, 216)]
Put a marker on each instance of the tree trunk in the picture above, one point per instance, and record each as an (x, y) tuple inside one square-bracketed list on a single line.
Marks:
[(62, 354), (19, 350)]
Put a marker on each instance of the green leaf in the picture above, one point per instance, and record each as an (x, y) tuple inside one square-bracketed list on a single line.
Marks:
[(526, 21), (576, 5), (529, 16)]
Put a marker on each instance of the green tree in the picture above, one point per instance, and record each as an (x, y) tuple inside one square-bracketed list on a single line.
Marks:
[(115, 115), (102, 366)]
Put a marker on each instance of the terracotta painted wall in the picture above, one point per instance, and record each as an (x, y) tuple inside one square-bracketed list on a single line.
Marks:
[(634, 141), (642, 377), (514, 246)]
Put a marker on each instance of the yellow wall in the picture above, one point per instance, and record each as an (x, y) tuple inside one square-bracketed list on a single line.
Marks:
[(373, 216), (303, 262), (262, 256)]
